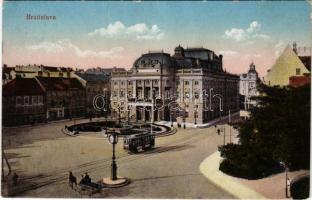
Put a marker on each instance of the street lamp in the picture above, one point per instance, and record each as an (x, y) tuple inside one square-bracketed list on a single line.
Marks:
[(152, 108), (171, 120), (113, 139), (118, 114), (287, 181), (184, 120), (195, 113), (129, 107), (220, 97), (184, 113)]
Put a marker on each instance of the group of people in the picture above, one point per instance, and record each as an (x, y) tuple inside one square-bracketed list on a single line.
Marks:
[(85, 179)]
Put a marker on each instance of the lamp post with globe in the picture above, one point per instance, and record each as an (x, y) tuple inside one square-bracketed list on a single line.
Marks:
[(114, 180), (113, 139)]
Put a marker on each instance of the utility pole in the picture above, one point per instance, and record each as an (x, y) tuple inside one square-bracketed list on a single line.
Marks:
[(230, 124), (223, 135)]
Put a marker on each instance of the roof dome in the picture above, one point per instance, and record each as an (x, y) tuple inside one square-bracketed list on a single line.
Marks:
[(179, 48), (153, 60)]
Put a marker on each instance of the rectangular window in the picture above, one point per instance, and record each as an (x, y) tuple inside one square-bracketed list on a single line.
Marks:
[(19, 100), (196, 83), (186, 95), (26, 100), (186, 82), (298, 71), (122, 94), (196, 95), (40, 99), (115, 94), (34, 100)]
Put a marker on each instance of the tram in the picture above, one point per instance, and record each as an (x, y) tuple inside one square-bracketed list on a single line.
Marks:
[(141, 141)]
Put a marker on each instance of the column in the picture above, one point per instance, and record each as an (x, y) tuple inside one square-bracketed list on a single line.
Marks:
[(159, 88), (191, 90), (134, 89), (151, 83), (143, 114), (118, 95), (127, 90), (143, 88), (182, 90)]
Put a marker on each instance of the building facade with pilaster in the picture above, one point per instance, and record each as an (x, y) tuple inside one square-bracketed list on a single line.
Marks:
[(189, 86)]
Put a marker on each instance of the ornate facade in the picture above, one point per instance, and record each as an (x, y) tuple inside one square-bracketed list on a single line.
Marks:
[(190, 86), (247, 87)]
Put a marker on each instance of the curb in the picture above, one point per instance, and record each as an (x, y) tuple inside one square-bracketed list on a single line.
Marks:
[(111, 184), (210, 169), (67, 132)]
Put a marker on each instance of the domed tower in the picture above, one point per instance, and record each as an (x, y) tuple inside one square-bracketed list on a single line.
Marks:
[(178, 52), (252, 69)]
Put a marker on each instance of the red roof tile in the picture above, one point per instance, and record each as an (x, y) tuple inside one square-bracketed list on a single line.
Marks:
[(60, 84), (23, 86)]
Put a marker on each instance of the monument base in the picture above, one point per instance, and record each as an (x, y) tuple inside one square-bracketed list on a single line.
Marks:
[(120, 182)]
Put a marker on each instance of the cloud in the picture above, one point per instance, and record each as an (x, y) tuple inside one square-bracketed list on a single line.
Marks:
[(239, 34), (262, 36), (48, 47), (253, 27), (277, 53), (279, 45), (252, 56), (138, 31), (66, 45), (257, 55), (236, 34), (228, 52), (278, 48)]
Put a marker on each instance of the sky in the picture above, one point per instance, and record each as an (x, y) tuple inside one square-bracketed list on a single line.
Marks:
[(106, 34)]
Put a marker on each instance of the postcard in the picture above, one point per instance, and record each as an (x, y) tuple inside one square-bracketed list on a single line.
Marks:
[(156, 99)]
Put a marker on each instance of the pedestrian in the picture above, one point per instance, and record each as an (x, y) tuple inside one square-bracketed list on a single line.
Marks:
[(72, 180), (15, 179), (82, 181), (87, 178)]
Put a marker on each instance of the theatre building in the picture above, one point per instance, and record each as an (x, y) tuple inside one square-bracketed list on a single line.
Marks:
[(190, 86)]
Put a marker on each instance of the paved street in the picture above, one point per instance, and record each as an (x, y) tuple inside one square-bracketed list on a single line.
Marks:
[(43, 156)]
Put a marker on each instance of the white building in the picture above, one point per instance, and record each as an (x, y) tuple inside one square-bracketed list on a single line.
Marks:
[(247, 86)]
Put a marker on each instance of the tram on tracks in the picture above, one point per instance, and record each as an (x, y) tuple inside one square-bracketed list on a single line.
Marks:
[(141, 141)]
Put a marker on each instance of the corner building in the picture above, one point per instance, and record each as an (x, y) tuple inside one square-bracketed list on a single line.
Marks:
[(189, 86)]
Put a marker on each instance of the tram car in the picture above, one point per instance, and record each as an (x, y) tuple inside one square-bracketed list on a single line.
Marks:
[(137, 142)]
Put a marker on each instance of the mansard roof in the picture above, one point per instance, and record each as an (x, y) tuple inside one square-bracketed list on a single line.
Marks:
[(201, 53), (153, 59)]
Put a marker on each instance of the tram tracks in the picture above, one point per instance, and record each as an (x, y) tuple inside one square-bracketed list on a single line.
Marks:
[(60, 176)]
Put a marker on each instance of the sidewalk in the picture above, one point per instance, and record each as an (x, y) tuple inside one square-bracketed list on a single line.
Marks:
[(272, 187), (223, 119), (210, 168)]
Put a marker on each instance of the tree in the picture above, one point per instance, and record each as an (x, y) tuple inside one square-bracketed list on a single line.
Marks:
[(278, 130)]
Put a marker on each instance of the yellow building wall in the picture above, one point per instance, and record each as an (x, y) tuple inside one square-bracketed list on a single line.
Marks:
[(285, 67)]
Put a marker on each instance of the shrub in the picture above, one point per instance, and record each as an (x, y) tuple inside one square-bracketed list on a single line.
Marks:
[(300, 188), (246, 161)]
